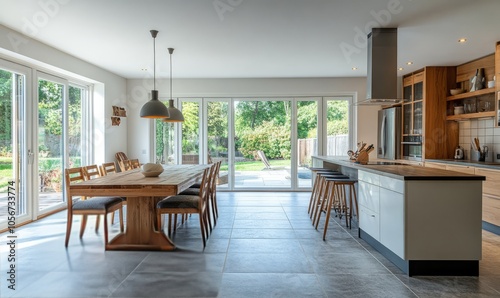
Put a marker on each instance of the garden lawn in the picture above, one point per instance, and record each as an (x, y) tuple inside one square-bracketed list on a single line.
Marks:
[(257, 165), (5, 173)]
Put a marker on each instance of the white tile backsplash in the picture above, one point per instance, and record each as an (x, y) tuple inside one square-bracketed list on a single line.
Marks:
[(481, 124), (473, 123), (484, 130)]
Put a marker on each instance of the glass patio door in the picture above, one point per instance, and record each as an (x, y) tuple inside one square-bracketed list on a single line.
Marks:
[(51, 129), (14, 149), (262, 146)]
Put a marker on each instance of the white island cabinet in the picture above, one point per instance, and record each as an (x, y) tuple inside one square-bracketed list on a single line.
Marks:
[(425, 221)]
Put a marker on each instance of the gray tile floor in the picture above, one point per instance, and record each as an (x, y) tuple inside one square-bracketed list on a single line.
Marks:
[(263, 246)]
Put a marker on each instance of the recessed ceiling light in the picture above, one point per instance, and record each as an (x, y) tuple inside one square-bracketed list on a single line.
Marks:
[(400, 68), (354, 68), (409, 63), (462, 40)]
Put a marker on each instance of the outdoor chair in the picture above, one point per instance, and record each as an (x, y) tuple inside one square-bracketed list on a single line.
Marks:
[(264, 160)]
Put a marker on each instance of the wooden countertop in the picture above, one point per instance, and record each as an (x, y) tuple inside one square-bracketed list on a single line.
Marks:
[(401, 171)]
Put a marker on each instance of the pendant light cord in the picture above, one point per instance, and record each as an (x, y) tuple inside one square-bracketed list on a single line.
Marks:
[(154, 63), (170, 51)]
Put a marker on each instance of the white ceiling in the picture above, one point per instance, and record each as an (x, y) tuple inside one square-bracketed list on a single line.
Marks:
[(255, 38)]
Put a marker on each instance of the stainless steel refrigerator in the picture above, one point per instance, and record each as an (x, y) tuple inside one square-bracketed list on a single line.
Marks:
[(389, 133)]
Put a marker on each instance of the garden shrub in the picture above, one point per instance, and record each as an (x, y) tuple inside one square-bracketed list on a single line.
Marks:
[(272, 139)]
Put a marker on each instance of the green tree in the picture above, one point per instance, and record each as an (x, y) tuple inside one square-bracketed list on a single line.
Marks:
[(5, 111), (338, 117), (190, 127)]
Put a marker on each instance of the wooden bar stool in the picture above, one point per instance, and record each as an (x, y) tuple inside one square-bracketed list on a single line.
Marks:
[(320, 192), (337, 200), (315, 188), (318, 204)]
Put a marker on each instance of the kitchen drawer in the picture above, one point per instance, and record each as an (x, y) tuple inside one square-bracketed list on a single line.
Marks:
[(368, 177), (369, 222), (368, 196), (435, 165), (491, 210), (461, 169), (492, 184), (392, 184)]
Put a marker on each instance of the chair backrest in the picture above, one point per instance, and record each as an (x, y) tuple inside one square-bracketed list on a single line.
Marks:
[(120, 156), (125, 165), (214, 176), (204, 189), (135, 163), (72, 176), (263, 157), (108, 168), (91, 172)]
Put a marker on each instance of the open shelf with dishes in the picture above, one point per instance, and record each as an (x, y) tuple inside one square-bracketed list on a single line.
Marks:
[(470, 105)]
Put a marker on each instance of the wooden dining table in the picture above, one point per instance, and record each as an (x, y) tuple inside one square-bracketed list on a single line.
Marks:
[(142, 193)]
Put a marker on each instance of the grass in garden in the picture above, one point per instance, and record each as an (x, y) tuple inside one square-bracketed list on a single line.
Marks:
[(257, 165), (5, 172)]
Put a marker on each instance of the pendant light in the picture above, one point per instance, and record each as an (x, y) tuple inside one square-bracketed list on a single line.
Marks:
[(175, 113), (154, 108)]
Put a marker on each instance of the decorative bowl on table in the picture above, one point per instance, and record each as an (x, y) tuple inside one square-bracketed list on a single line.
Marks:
[(456, 91), (151, 169)]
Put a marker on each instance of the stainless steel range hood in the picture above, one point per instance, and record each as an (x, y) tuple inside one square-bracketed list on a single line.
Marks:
[(382, 67)]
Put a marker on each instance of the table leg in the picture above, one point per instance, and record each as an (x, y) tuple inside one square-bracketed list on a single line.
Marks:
[(140, 231)]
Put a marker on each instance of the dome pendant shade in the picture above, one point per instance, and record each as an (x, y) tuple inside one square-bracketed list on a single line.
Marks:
[(154, 108), (175, 113)]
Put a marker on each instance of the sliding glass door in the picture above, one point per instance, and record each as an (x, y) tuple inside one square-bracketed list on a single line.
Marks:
[(262, 149), (60, 136), (307, 139), (50, 139), (338, 125), (14, 151), (218, 141)]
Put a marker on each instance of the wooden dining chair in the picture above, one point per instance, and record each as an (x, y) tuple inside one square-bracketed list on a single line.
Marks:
[(212, 194), (125, 165), (186, 204), (134, 163), (110, 168), (88, 206)]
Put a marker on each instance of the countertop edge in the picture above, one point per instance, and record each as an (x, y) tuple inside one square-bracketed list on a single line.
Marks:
[(470, 163), (397, 171)]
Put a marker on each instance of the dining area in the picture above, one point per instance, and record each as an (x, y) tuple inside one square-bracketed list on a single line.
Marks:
[(143, 198)]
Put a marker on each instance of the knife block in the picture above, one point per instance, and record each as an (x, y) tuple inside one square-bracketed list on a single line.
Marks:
[(362, 158)]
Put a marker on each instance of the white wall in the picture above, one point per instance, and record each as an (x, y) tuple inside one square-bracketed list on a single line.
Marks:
[(109, 88), (139, 132)]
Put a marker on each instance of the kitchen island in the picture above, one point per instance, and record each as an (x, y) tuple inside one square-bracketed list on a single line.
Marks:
[(426, 221)]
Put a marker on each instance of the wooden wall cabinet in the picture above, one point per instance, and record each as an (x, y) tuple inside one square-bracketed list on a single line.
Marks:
[(424, 114)]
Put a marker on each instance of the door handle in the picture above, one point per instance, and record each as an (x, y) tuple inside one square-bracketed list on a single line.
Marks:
[(30, 157)]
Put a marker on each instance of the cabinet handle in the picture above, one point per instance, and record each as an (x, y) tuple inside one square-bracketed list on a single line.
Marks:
[(411, 143), (373, 215)]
